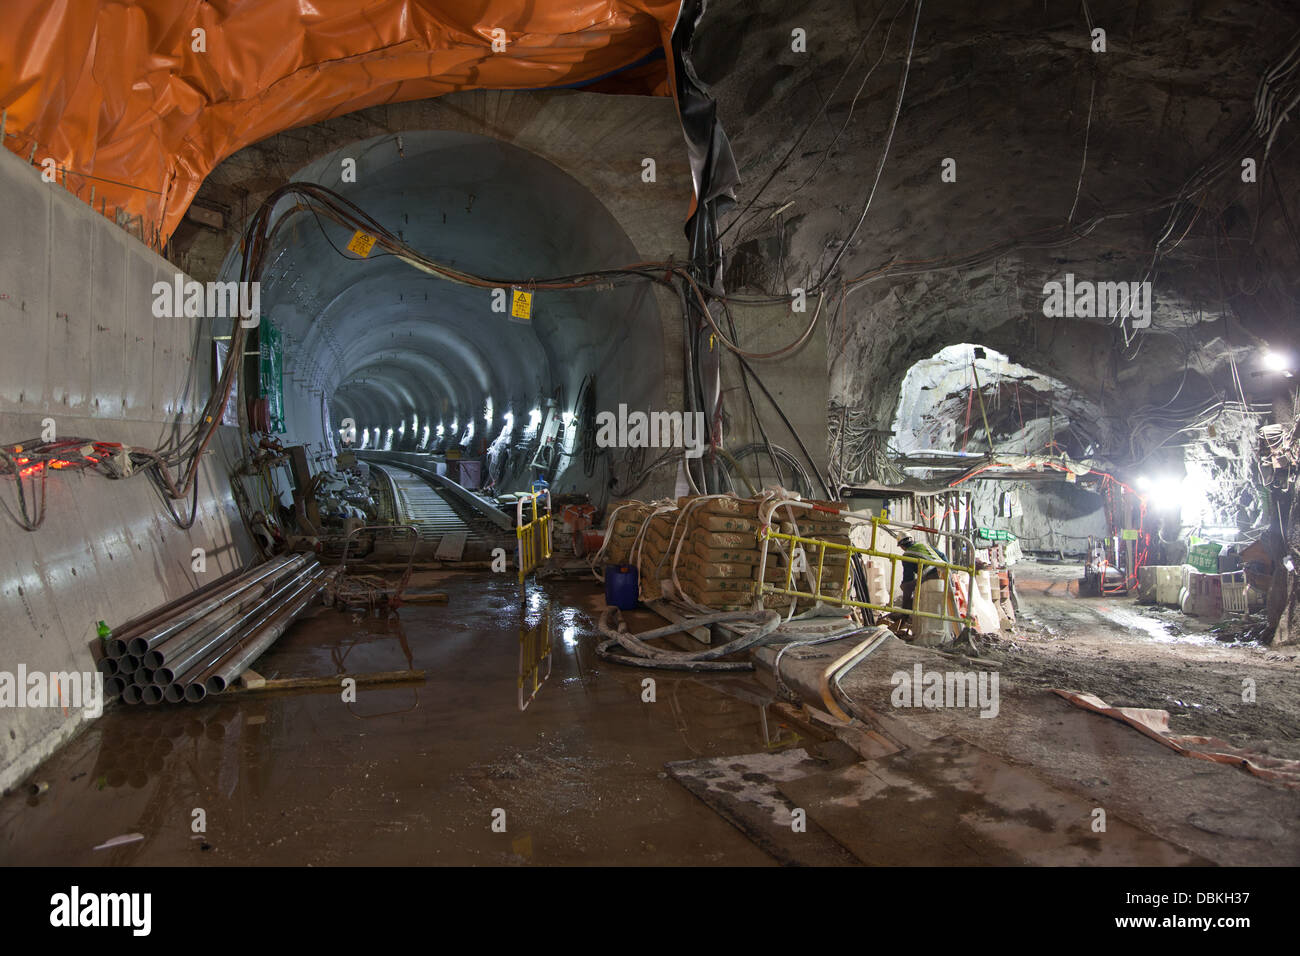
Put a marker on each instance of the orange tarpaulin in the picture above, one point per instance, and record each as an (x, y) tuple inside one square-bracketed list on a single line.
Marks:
[(132, 101)]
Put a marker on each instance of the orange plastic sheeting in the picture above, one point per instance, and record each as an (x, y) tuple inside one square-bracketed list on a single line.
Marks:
[(120, 94)]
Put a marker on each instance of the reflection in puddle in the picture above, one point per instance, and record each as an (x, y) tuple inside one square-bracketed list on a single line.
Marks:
[(297, 778), (534, 645)]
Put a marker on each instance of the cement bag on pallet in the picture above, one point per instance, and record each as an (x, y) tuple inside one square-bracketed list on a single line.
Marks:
[(654, 557), (723, 555), (625, 523), (723, 505)]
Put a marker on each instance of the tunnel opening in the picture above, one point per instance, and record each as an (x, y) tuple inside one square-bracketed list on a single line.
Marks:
[(379, 356), (968, 402)]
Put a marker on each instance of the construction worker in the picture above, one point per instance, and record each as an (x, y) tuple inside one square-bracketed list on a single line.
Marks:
[(916, 549)]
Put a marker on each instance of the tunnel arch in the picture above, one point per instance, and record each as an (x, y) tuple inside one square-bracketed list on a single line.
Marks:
[(934, 391), (381, 340), (1030, 415)]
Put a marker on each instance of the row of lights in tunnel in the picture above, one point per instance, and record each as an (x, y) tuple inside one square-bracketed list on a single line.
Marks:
[(386, 435)]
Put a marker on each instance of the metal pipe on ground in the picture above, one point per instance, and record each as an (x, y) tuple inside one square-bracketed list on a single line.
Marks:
[(143, 675), (151, 637), (193, 679), (202, 652), (119, 643), (131, 693), (152, 694), (239, 661), (179, 642), (127, 664), (107, 666), (219, 647), (121, 634), (186, 671), (113, 686), (202, 684), (128, 629)]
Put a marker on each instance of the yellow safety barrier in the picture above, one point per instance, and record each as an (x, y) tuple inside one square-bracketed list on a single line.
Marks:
[(814, 552), (534, 537), (534, 648)]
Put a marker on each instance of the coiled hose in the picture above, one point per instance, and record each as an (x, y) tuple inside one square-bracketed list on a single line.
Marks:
[(640, 654)]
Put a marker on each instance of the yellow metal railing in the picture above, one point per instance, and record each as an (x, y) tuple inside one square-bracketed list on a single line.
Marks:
[(816, 550), (534, 649), (534, 538)]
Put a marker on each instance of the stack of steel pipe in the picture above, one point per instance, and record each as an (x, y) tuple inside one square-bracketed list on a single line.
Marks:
[(200, 643)]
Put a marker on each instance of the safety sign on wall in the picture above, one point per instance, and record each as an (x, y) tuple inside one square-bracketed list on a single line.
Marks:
[(521, 305), (361, 243)]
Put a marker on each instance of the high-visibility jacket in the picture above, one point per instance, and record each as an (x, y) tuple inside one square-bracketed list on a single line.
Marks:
[(918, 549)]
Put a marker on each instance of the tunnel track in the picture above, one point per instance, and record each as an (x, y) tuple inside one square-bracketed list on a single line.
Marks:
[(422, 505)]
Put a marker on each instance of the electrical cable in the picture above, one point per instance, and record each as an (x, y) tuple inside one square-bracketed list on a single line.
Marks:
[(884, 154)]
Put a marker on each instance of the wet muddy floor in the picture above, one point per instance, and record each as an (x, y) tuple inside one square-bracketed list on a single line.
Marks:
[(408, 774), (451, 770), (1137, 655)]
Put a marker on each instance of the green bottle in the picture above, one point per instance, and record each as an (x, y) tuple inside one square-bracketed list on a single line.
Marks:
[(105, 632)]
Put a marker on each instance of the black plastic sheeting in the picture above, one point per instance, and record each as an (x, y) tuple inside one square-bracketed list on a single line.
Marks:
[(713, 167)]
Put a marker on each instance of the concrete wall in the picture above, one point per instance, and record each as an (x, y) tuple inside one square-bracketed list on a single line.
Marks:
[(81, 346), (798, 381)]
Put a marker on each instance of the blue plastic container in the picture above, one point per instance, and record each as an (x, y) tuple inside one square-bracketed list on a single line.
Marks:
[(621, 582)]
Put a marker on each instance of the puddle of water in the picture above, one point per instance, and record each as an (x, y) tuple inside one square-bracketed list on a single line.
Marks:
[(409, 774)]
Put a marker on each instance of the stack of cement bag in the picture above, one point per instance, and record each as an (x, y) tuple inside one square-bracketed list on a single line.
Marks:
[(706, 550), (625, 523), (719, 560), (660, 535), (807, 523)]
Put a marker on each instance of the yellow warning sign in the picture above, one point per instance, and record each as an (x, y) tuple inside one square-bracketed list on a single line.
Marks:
[(521, 305), (361, 243)]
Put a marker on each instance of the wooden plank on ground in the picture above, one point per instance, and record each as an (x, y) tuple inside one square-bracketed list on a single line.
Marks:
[(674, 616), (319, 684), (451, 547)]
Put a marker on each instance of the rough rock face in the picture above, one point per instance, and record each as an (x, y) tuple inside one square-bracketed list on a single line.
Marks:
[(1024, 154), (1066, 161)]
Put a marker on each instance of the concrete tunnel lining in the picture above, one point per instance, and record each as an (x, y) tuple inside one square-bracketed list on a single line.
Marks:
[(384, 341)]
